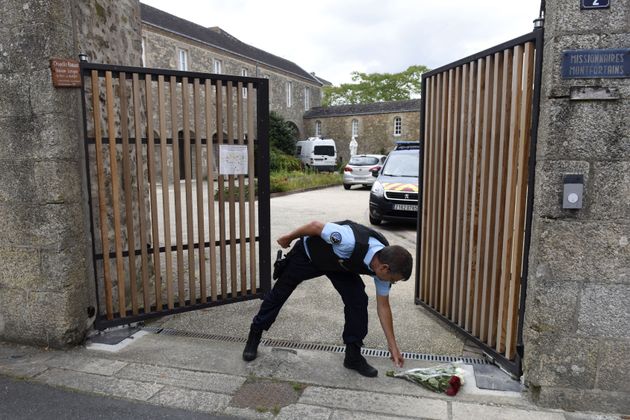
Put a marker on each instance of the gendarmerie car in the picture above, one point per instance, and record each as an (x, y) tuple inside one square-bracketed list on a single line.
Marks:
[(394, 194)]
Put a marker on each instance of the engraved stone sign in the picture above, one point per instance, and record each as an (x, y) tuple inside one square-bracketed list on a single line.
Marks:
[(593, 64)]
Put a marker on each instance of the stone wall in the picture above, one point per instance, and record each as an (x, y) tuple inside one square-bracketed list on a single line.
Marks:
[(46, 285), (376, 131), (577, 320)]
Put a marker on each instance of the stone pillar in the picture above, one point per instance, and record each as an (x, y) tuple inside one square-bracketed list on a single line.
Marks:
[(577, 313), (46, 284)]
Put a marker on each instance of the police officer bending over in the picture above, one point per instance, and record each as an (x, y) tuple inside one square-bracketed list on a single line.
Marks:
[(341, 251)]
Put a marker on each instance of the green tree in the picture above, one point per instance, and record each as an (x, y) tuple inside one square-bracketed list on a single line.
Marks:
[(281, 134), (376, 87)]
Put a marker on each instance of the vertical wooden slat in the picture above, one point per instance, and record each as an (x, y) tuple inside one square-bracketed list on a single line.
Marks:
[(440, 192), (508, 220), (229, 104), (127, 187), (451, 289), (434, 194), (113, 165), (499, 208), (469, 181), (199, 184), (221, 182), (241, 195), (155, 240), (144, 258), (210, 170), (474, 209), (190, 223), (102, 205), (251, 183), (483, 191), (166, 207), (445, 288), (177, 192), (489, 255), (460, 208), (426, 190), (520, 196)]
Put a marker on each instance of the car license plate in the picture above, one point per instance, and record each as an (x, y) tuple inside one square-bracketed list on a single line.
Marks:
[(406, 207)]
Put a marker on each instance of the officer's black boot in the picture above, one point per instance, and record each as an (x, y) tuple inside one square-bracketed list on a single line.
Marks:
[(355, 361), (251, 348)]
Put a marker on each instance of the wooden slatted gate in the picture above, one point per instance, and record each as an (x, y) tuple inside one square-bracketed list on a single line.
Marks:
[(165, 241), (479, 122)]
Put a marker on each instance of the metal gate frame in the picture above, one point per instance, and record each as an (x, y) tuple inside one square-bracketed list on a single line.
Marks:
[(514, 367), (260, 171)]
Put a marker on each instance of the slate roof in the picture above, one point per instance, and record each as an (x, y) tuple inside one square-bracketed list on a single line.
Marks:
[(412, 105), (216, 37)]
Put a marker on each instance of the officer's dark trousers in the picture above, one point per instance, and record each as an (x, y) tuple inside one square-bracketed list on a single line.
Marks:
[(299, 268)]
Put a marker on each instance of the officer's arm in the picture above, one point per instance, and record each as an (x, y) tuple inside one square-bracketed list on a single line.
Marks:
[(385, 316), (313, 228)]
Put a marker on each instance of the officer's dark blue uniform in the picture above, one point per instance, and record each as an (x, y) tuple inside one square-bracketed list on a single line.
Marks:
[(342, 252), (347, 283)]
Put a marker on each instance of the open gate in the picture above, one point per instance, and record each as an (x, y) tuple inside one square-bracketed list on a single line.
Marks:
[(165, 241), (479, 123)]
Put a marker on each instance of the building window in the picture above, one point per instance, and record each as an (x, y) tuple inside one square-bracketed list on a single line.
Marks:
[(318, 128), (144, 53), (182, 60), (397, 126), (218, 66), (289, 94), (244, 74), (355, 128), (307, 98)]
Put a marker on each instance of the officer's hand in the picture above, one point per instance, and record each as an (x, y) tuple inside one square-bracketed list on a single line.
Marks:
[(284, 241), (396, 357)]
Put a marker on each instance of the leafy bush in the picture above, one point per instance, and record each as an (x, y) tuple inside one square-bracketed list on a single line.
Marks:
[(282, 181), (279, 161)]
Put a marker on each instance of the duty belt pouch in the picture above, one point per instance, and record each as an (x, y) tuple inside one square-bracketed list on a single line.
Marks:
[(280, 265)]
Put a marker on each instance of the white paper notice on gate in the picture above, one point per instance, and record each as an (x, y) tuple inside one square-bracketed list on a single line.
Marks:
[(232, 159)]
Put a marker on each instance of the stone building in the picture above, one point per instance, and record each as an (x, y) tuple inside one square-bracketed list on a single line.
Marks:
[(376, 126), (174, 43)]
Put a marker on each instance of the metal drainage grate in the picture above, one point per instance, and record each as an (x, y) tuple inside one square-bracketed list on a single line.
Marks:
[(319, 347)]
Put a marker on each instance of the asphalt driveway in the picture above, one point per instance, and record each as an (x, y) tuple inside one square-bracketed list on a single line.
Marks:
[(314, 313)]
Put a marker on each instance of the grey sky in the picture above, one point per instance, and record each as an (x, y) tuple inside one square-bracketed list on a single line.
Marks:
[(335, 37)]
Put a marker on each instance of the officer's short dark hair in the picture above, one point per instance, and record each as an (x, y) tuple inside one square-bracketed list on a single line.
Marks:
[(398, 259)]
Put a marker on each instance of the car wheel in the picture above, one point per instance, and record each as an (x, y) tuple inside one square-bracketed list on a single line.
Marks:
[(375, 220), (346, 186)]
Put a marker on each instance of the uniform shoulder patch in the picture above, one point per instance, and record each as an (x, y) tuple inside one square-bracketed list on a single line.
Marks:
[(335, 238)]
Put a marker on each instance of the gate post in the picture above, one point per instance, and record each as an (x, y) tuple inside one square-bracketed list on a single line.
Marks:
[(577, 316), (46, 286)]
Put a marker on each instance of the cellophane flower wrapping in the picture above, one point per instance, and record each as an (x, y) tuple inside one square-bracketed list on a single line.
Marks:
[(443, 379)]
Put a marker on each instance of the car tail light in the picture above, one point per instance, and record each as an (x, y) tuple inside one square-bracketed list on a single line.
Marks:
[(347, 169), (375, 168)]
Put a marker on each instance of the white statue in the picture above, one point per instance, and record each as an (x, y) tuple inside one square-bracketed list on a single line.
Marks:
[(353, 146)]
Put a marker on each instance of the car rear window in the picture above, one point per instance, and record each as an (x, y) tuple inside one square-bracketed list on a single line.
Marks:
[(324, 150), (363, 160)]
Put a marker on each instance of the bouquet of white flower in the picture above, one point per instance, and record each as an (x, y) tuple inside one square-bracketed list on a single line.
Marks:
[(444, 378)]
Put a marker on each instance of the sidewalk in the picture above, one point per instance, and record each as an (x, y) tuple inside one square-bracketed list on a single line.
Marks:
[(208, 375)]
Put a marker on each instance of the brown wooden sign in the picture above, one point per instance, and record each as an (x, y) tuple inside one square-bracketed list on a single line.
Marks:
[(65, 73)]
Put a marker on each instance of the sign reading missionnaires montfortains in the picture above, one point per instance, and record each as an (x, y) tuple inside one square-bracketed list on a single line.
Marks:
[(594, 64)]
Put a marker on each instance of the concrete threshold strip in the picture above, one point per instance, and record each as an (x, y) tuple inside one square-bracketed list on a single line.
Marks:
[(319, 347)]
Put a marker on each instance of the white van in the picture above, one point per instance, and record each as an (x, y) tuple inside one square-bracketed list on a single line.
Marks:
[(317, 153)]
